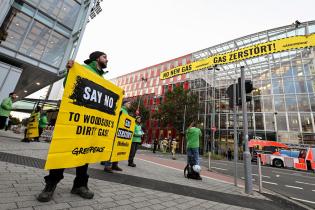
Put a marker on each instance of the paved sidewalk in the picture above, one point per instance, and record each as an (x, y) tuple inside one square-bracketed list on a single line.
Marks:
[(154, 184)]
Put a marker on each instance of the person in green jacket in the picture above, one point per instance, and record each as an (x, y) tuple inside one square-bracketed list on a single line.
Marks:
[(136, 140), (96, 63), (42, 124), (5, 109), (192, 136)]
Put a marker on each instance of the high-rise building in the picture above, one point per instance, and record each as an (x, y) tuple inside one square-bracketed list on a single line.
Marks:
[(37, 37)]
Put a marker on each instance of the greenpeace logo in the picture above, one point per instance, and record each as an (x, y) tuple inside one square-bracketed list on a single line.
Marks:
[(127, 123)]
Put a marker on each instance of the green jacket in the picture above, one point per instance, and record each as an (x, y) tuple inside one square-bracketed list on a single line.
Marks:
[(124, 110), (92, 67), (137, 134), (6, 107), (192, 135), (43, 121)]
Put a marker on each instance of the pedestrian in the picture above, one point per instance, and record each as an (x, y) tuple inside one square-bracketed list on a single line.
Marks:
[(229, 154), (96, 63), (155, 144), (136, 140), (174, 146), (5, 109), (164, 145), (110, 166), (193, 135)]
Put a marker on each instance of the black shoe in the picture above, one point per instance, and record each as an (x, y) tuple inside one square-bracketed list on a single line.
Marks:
[(108, 169), (102, 163), (199, 177), (83, 192), (116, 168), (131, 164), (47, 193)]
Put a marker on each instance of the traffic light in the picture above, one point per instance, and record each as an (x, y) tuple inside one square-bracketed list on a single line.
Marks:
[(248, 89)]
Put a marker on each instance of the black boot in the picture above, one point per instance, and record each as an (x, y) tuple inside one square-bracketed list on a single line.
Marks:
[(47, 192), (83, 192)]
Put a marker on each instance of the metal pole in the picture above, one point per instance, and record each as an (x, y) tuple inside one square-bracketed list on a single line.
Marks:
[(235, 134), (213, 112), (259, 174), (246, 155), (183, 140)]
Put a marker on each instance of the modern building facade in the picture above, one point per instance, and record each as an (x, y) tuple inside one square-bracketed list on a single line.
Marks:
[(37, 37), (283, 103)]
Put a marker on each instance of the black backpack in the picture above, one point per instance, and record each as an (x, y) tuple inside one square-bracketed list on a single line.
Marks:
[(189, 173)]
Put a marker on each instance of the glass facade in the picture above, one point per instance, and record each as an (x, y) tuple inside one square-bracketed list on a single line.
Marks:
[(283, 102), (40, 29)]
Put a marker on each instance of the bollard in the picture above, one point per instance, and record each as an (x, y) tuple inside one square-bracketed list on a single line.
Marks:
[(209, 161), (259, 174)]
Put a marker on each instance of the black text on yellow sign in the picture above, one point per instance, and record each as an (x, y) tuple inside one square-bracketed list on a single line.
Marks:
[(86, 122), (32, 126), (123, 138), (275, 46)]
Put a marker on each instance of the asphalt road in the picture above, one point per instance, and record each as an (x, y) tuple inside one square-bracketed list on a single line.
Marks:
[(296, 185)]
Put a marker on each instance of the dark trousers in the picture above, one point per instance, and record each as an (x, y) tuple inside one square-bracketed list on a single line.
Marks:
[(81, 179), (40, 131), (3, 120), (154, 148), (133, 150)]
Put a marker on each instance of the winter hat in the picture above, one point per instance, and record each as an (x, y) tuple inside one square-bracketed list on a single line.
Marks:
[(93, 56), (125, 101)]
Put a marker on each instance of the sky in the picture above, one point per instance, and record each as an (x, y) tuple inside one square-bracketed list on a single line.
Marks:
[(140, 33)]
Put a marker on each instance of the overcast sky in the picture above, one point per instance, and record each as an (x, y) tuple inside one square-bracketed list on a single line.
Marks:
[(140, 33)]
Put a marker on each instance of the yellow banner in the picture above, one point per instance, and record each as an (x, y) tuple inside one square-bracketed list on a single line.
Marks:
[(32, 126), (275, 46), (123, 139), (86, 122)]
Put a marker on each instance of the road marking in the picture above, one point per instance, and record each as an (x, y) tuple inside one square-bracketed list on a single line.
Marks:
[(300, 188), (273, 183), (262, 176), (223, 169), (304, 183), (244, 178), (313, 190), (225, 164), (302, 200)]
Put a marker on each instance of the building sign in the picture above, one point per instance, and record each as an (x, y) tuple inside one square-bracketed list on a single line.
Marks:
[(86, 122), (275, 46), (123, 139)]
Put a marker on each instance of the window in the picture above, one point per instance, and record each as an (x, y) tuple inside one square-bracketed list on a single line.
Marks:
[(306, 122), (303, 103), (279, 103), (36, 40), (291, 102), (293, 119), (51, 7), (281, 122), (68, 13), (269, 122), (13, 29)]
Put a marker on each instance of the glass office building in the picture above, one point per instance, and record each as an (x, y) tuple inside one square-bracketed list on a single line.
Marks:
[(283, 102), (37, 37)]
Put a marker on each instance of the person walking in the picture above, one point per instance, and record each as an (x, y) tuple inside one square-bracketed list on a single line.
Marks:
[(5, 109), (136, 140), (229, 154), (43, 122), (155, 143), (193, 135), (174, 146), (110, 166), (96, 63)]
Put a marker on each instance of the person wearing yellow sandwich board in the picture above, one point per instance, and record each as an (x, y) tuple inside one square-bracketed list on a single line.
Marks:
[(96, 63), (136, 140)]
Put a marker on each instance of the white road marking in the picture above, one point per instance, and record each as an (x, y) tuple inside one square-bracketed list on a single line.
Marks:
[(313, 190), (273, 183), (304, 183), (300, 188), (225, 164), (223, 169), (262, 176), (306, 201), (277, 175)]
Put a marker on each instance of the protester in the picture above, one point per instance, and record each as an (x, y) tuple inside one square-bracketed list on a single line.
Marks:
[(136, 140), (110, 166), (164, 145), (192, 135), (5, 109), (96, 63), (38, 115), (43, 122)]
